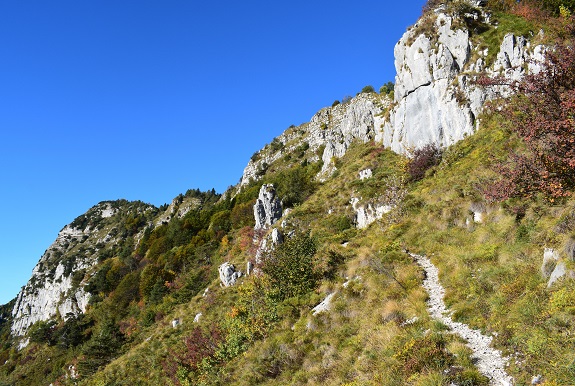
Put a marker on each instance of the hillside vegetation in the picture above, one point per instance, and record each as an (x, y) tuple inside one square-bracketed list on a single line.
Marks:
[(479, 209)]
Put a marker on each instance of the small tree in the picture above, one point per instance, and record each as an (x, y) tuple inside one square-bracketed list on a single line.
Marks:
[(387, 88), (291, 268)]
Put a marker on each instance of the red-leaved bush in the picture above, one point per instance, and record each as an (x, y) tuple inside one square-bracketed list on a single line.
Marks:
[(542, 114), (198, 345), (423, 159)]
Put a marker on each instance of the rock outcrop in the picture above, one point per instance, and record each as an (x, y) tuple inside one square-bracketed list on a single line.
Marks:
[(268, 207), (553, 267), (228, 274), (435, 99), (368, 213)]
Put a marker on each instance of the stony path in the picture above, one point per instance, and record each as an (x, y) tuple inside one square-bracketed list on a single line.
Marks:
[(490, 362)]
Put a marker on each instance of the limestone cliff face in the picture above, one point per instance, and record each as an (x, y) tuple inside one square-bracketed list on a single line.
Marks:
[(56, 287), (434, 102), (435, 99)]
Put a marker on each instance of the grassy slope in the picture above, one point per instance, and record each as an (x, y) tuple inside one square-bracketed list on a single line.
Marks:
[(491, 271)]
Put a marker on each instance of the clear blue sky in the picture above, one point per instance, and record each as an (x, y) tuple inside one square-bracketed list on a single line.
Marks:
[(142, 100)]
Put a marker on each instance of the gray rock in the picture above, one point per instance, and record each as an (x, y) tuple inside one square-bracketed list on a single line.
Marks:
[(228, 274), (324, 306), (268, 208), (249, 267), (550, 258), (559, 271), (268, 243), (365, 174), (277, 237), (369, 213)]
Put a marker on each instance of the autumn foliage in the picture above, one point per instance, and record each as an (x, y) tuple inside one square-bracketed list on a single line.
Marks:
[(542, 115), (423, 159)]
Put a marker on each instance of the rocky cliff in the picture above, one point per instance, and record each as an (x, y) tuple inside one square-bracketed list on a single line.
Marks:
[(435, 99)]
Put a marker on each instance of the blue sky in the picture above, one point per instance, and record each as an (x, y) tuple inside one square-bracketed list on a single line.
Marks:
[(142, 100)]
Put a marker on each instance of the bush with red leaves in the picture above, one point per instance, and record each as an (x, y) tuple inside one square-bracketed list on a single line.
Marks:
[(542, 114), (198, 345), (423, 159)]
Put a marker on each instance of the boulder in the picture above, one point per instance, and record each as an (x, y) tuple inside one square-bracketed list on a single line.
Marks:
[(228, 274), (325, 305), (550, 258), (559, 271), (367, 214), (365, 174)]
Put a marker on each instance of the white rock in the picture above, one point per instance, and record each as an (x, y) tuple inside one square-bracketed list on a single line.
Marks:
[(365, 174), (277, 237), (228, 274), (197, 317), (369, 213), (550, 256), (559, 271), (268, 208), (324, 305)]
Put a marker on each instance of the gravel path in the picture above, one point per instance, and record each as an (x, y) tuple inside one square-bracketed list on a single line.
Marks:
[(489, 361)]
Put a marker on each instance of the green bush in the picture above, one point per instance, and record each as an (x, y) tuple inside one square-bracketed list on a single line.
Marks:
[(387, 88), (291, 267), (367, 89)]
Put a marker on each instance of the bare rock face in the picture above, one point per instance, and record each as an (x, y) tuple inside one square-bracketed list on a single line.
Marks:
[(228, 274), (368, 213), (430, 105), (436, 100), (268, 207), (514, 54), (44, 295), (333, 128)]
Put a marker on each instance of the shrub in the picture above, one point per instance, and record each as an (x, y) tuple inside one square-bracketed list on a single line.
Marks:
[(199, 345), (335, 103), (387, 88), (276, 145), (101, 349), (291, 268), (42, 332), (423, 159), (294, 185), (367, 89), (542, 117)]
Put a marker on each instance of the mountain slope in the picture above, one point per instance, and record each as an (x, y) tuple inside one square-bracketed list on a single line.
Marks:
[(329, 293)]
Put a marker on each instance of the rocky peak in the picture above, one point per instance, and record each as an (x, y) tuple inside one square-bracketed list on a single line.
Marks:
[(435, 98), (57, 283)]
